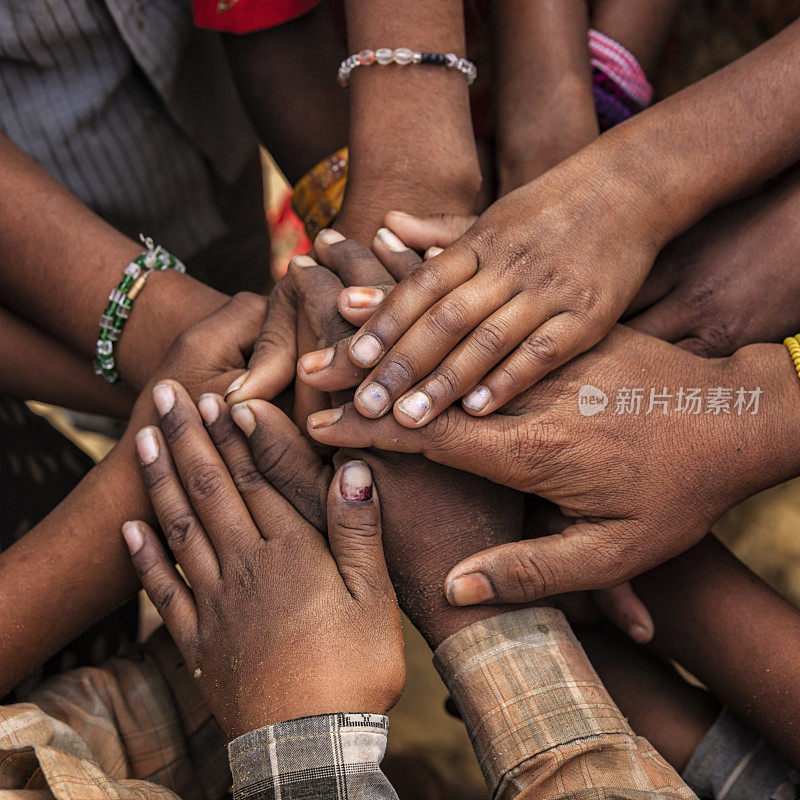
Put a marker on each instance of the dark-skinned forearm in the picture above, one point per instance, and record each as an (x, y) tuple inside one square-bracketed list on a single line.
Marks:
[(286, 78), (544, 107), (411, 142), (72, 569), (36, 366), (60, 261), (734, 633), (705, 145)]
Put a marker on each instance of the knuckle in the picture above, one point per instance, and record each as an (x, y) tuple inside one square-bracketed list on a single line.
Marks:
[(163, 595), (205, 481), (446, 381), (178, 530), (450, 318), (400, 368), (247, 478), (529, 576), (429, 281), (491, 339), (356, 527), (584, 301), (540, 348), (156, 477), (271, 457), (447, 430)]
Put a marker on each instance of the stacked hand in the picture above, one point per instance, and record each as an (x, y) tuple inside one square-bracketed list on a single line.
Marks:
[(262, 578), (642, 479)]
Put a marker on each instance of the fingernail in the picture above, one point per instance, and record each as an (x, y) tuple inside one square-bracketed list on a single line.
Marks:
[(432, 252), (243, 417), (147, 445), (319, 359), (640, 634), (321, 419), (237, 384), (355, 482), (477, 399), (329, 236), (208, 407), (362, 297), (164, 398), (390, 241), (133, 536), (415, 405), (303, 261), (374, 398), (469, 589), (400, 214), (366, 349)]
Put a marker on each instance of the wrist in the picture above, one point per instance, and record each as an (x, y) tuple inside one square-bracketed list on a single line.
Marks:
[(372, 191), (767, 442), (168, 304), (541, 132)]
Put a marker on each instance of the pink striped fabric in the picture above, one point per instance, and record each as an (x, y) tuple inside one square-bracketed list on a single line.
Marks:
[(621, 66)]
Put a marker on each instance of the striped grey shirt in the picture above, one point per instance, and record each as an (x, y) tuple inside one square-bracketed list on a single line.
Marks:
[(129, 106)]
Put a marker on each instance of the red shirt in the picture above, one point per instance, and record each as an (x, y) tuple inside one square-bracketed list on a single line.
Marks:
[(246, 16)]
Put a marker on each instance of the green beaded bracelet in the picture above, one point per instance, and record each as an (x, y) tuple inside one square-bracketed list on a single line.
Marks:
[(116, 313)]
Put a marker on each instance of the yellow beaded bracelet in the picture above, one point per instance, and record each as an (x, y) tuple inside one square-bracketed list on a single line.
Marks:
[(792, 344)]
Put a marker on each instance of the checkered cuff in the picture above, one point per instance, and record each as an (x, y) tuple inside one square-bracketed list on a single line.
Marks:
[(314, 758), (524, 686)]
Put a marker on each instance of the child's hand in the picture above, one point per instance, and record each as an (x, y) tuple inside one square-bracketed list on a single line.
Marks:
[(538, 279), (276, 625)]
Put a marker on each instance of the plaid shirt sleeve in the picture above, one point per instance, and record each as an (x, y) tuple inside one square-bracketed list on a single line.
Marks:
[(134, 729), (314, 758), (540, 720)]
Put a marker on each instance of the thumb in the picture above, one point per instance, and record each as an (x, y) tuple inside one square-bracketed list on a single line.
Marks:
[(438, 230), (586, 555), (272, 364), (354, 532)]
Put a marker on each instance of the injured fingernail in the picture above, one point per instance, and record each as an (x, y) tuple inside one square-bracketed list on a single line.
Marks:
[(366, 349), (147, 445), (132, 534), (432, 252), (362, 297), (164, 398), (329, 236), (469, 589), (237, 384), (321, 419), (477, 399), (390, 241), (317, 360), (373, 398), (208, 407), (355, 482), (415, 405), (243, 417)]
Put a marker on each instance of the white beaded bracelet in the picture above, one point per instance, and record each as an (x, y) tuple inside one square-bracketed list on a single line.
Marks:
[(404, 56)]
